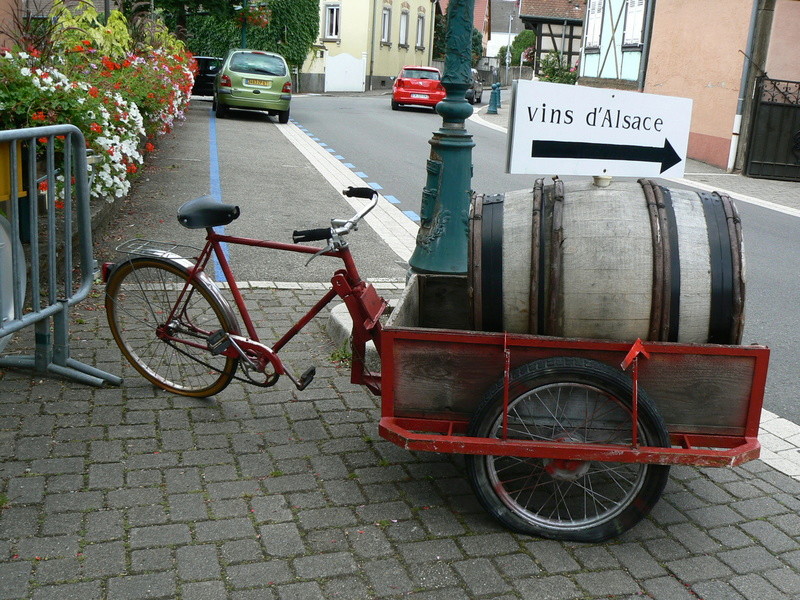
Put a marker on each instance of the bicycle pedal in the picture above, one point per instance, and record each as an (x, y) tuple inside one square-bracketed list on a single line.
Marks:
[(306, 378), (218, 342)]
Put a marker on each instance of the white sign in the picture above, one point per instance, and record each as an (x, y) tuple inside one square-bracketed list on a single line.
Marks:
[(559, 129)]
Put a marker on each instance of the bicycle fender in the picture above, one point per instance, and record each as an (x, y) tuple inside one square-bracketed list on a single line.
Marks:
[(186, 266)]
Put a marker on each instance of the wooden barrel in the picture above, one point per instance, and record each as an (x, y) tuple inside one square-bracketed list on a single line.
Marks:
[(633, 260)]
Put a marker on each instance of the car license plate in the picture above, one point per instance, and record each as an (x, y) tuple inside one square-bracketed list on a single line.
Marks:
[(261, 82), (419, 95)]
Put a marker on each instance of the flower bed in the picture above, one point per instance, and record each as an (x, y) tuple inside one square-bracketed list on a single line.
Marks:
[(120, 104)]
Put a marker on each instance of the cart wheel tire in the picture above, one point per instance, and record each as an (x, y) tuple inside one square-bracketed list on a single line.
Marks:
[(568, 400)]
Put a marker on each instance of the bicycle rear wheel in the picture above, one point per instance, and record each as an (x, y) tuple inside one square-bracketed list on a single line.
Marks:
[(569, 400), (171, 352)]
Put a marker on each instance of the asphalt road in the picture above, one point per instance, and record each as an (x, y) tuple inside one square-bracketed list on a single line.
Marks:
[(391, 147)]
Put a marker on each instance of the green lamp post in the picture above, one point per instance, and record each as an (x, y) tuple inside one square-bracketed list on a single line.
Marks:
[(444, 214)]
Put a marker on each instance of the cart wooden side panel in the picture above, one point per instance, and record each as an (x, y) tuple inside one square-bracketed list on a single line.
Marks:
[(442, 375)]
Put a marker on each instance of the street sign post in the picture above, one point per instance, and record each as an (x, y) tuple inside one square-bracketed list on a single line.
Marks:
[(575, 130)]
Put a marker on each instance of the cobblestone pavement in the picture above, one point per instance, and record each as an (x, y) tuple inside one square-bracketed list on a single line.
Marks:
[(132, 493)]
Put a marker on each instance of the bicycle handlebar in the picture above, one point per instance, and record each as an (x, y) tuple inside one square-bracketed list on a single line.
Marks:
[(340, 227), (360, 192), (311, 235)]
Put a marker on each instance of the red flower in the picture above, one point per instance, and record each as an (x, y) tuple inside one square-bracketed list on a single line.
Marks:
[(132, 168), (59, 204), (149, 147), (39, 116), (43, 140), (93, 92), (43, 186), (96, 128)]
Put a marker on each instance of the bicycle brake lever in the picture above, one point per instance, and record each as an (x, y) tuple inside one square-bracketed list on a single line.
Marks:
[(322, 251)]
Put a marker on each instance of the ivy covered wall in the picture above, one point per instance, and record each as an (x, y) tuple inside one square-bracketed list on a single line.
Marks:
[(292, 29)]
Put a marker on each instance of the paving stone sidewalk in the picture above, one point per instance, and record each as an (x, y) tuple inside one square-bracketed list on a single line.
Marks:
[(131, 493)]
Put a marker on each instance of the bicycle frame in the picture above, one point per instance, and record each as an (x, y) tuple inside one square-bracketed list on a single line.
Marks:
[(362, 300)]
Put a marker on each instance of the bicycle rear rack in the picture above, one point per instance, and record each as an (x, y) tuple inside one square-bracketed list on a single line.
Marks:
[(144, 247)]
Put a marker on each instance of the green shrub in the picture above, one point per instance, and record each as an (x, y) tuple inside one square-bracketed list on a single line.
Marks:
[(554, 68)]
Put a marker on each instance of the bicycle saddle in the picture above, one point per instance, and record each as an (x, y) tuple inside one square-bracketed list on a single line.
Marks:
[(206, 212)]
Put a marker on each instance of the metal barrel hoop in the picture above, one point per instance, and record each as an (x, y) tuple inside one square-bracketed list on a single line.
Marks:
[(553, 322), (737, 262), (474, 278), (492, 263), (537, 258)]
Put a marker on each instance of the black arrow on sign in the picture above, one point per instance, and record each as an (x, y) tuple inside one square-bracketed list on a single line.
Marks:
[(665, 155)]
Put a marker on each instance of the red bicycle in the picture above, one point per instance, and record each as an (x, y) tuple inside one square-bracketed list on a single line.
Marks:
[(176, 328)]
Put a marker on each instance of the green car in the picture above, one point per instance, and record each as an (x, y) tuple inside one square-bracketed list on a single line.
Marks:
[(253, 80)]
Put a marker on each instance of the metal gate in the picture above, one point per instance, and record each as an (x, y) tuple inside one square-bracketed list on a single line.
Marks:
[(774, 149)]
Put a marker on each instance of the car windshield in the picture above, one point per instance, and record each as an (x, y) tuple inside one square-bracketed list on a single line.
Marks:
[(248, 62), (419, 74)]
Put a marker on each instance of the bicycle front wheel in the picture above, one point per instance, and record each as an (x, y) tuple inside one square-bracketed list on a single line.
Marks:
[(161, 324)]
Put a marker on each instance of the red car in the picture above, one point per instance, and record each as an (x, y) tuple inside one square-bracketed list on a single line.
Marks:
[(418, 85)]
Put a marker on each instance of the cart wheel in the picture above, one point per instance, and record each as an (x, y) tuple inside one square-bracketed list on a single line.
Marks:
[(570, 400)]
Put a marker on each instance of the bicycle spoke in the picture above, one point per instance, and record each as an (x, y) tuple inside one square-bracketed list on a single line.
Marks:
[(158, 321)]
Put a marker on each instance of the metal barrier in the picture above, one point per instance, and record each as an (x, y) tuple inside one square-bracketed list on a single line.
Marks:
[(44, 193)]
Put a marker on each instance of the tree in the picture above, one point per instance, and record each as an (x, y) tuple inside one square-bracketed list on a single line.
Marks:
[(440, 35), (477, 46), (524, 40)]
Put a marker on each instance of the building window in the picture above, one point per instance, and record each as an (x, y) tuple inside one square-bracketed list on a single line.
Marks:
[(634, 22), (331, 21), (403, 40), (420, 31), (594, 23), (386, 26)]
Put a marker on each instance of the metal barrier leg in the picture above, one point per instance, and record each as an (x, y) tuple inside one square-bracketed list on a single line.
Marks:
[(51, 355), (53, 284)]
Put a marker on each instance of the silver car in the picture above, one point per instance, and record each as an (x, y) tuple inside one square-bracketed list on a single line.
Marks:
[(475, 91)]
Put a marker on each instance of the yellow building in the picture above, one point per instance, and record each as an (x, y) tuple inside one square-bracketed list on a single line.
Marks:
[(364, 43)]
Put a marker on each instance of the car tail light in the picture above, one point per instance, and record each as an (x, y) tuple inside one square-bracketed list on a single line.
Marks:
[(225, 81), (287, 88), (400, 83)]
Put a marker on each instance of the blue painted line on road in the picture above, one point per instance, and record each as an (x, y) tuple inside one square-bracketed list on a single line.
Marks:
[(339, 157), (411, 215), (316, 139), (375, 186), (349, 165), (216, 186), (361, 174), (331, 150), (323, 144), (392, 199)]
